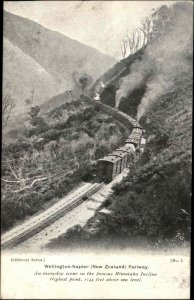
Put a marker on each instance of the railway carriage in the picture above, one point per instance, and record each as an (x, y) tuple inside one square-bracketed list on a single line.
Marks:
[(112, 164), (123, 156), (108, 167), (134, 141), (129, 149)]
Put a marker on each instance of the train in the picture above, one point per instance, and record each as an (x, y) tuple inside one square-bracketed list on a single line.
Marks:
[(117, 114), (112, 164)]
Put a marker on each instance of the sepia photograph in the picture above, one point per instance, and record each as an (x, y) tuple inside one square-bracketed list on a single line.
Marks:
[(96, 149)]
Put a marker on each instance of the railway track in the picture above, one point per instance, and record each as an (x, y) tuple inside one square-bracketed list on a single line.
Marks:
[(115, 113), (11, 240), (27, 230)]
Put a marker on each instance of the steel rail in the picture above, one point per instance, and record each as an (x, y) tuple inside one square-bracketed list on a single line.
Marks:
[(41, 225)]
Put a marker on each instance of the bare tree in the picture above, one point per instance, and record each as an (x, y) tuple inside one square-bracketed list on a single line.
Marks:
[(149, 28), (134, 41), (20, 180), (7, 108), (124, 48), (146, 29), (156, 24), (84, 80), (32, 94)]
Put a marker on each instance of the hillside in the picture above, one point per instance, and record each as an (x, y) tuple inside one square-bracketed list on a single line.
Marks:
[(47, 55), (152, 206), (59, 99), (25, 74), (56, 152)]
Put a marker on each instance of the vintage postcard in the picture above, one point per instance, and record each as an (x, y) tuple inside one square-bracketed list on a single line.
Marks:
[(96, 149)]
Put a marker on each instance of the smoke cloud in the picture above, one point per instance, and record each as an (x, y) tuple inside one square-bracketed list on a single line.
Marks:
[(165, 58), (99, 87), (133, 80)]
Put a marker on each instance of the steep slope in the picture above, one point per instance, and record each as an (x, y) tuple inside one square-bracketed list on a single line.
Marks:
[(22, 74), (62, 147), (56, 101), (153, 204), (59, 55)]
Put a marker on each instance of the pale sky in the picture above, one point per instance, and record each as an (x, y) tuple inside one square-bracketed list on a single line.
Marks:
[(100, 24)]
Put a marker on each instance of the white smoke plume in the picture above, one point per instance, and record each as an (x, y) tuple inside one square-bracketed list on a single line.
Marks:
[(155, 88), (102, 84), (99, 87), (164, 59), (134, 80)]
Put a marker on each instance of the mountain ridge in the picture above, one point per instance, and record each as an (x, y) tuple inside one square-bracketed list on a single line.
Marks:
[(17, 62), (56, 53), (68, 37)]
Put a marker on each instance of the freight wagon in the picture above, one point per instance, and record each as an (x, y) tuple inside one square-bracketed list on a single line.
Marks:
[(123, 157), (108, 167), (112, 164)]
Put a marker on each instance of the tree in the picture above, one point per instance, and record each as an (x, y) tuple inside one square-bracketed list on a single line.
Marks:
[(7, 109), (151, 27), (134, 41), (81, 81), (28, 101), (131, 43), (32, 95), (146, 29), (15, 179), (34, 111), (84, 80), (36, 121), (124, 47)]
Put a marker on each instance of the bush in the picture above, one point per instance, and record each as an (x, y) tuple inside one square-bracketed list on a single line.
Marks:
[(70, 238), (52, 134), (101, 151), (13, 210), (66, 147)]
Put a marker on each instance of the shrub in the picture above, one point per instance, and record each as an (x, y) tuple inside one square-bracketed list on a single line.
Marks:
[(52, 134)]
